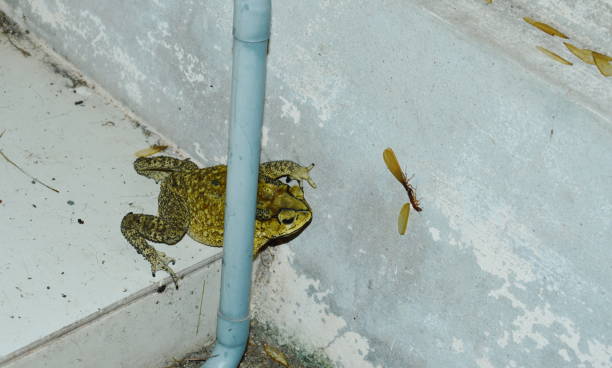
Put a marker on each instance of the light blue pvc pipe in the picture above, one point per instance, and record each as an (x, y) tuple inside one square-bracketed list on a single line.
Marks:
[(251, 35)]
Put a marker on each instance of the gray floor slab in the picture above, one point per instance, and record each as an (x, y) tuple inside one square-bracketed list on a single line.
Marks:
[(63, 256)]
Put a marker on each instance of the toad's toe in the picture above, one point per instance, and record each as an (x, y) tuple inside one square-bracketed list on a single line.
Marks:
[(161, 262)]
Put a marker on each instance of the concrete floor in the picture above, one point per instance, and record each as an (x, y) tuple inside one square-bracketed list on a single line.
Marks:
[(67, 271)]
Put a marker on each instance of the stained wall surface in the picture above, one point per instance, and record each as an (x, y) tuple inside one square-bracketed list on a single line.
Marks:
[(507, 265)]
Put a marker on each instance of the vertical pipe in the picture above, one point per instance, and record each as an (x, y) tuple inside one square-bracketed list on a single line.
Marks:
[(251, 35)]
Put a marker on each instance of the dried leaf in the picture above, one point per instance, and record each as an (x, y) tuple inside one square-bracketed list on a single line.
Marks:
[(545, 28), (582, 54), (276, 355), (393, 165), (554, 56), (150, 151), (489, 1), (603, 63), (402, 220)]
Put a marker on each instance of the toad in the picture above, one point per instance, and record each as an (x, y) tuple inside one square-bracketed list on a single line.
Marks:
[(192, 201)]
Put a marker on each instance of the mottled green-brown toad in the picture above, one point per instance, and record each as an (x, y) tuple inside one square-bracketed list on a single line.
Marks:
[(192, 201)]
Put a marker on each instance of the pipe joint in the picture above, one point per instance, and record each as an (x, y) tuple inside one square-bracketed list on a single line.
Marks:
[(236, 332), (252, 20), (232, 337)]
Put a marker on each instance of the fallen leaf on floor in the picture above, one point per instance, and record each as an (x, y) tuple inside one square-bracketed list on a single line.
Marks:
[(554, 56), (276, 355), (582, 54), (603, 63), (545, 28), (150, 151), (488, 1)]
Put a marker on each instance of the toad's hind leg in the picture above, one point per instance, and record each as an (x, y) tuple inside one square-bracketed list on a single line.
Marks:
[(166, 228), (160, 167)]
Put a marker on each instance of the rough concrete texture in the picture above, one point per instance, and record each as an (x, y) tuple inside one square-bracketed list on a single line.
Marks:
[(507, 266)]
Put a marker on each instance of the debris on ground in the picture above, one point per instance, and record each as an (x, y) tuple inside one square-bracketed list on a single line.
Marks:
[(146, 152), (76, 79), (264, 350), (12, 31), (554, 56), (34, 179), (276, 355), (545, 28)]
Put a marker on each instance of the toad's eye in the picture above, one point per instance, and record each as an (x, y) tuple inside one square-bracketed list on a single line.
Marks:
[(287, 217)]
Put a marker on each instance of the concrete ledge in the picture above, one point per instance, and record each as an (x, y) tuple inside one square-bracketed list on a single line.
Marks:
[(143, 330)]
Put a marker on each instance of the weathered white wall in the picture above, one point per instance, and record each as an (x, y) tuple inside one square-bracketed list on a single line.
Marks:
[(508, 264)]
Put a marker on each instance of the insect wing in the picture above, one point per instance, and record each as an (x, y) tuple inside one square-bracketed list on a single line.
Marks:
[(582, 54), (553, 56), (603, 63), (150, 151), (276, 355), (545, 28), (393, 165), (402, 220)]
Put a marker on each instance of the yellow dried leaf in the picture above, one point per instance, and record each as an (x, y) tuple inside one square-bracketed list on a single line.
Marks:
[(554, 56), (545, 27), (150, 151), (393, 165), (402, 220), (582, 54), (603, 63), (489, 1), (276, 355)]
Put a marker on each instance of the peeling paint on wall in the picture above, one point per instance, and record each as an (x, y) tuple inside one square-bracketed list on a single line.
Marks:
[(307, 313), (290, 110), (311, 86), (502, 254)]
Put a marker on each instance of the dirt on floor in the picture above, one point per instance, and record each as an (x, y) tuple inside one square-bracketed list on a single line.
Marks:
[(263, 351), (8, 27), (13, 33)]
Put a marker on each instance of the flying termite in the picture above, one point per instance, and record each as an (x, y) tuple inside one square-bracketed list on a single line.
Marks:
[(394, 166)]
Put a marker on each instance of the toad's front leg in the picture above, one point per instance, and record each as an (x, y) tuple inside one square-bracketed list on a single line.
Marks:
[(138, 228)]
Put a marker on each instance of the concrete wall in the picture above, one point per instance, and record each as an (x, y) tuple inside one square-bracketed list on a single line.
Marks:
[(509, 263)]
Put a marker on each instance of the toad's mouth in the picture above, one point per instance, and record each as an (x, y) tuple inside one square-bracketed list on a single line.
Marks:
[(294, 233)]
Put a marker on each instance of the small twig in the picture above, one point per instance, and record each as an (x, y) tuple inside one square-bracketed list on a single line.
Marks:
[(200, 310), (196, 359), (24, 172)]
